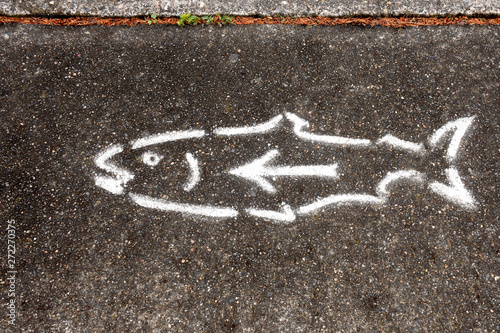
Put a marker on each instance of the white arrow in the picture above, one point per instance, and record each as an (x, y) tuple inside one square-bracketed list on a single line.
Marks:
[(258, 169)]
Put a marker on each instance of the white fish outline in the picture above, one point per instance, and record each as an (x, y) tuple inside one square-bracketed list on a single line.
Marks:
[(121, 176), (454, 192)]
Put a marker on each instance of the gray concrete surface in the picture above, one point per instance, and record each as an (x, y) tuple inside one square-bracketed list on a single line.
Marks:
[(254, 7), (91, 256)]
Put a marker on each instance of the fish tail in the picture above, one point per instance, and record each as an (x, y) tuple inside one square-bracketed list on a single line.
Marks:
[(453, 133)]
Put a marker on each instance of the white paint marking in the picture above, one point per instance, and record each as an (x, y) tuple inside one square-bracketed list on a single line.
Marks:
[(256, 171), (121, 176), (456, 191), (151, 159), (285, 216), (169, 206), (166, 137), (261, 128), (394, 142), (341, 199), (194, 174), (110, 184), (391, 177), (459, 128), (259, 169), (299, 124)]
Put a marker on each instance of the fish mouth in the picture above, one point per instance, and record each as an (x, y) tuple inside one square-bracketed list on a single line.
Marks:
[(121, 177)]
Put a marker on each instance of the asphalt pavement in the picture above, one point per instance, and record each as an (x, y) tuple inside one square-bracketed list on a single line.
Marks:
[(250, 179)]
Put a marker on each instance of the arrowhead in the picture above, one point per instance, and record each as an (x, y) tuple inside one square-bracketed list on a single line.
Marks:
[(254, 171)]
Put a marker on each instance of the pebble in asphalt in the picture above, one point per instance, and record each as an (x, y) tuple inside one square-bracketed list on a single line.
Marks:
[(161, 179)]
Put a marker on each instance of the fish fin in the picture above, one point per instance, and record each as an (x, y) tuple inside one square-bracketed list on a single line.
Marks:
[(396, 143), (285, 216), (407, 176), (342, 200), (298, 128)]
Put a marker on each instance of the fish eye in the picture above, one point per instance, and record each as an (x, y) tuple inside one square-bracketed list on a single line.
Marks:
[(151, 159)]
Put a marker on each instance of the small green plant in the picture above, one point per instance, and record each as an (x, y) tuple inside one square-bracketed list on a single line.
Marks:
[(218, 19), (209, 19), (188, 18), (227, 19), (153, 20)]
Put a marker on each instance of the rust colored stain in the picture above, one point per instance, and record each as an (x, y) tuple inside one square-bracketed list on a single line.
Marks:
[(392, 22)]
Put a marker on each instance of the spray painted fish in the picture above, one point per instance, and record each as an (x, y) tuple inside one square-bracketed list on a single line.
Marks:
[(261, 170)]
